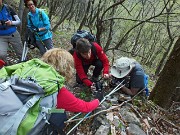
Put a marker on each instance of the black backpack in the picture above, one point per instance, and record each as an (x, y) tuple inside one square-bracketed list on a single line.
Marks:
[(30, 38), (81, 34)]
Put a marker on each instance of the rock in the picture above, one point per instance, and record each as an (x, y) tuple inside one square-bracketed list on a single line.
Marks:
[(129, 117), (134, 129), (103, 130)]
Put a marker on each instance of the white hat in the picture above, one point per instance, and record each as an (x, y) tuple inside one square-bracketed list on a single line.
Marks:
[(122, 67)]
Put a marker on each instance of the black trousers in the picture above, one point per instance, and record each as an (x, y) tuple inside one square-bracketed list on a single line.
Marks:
[(56, 125), (96, 72)]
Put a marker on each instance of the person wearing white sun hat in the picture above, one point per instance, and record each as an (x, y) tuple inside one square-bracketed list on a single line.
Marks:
[(125, 67)]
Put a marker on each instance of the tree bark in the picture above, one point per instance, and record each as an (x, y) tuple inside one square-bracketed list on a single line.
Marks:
[(167, 88)]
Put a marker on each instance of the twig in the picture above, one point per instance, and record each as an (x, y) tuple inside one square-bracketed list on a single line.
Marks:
[(172, 124), (132, 107), (106, 109)]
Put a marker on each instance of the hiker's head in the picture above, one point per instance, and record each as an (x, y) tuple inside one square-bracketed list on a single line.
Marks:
[(61, 60), (122, 67), (83, 47), (30, 3)]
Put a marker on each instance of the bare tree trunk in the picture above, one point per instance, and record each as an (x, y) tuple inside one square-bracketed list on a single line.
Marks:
[(20, 13), (167, 88)]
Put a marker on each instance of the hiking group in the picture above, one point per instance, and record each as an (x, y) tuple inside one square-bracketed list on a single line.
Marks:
[(33, 92)]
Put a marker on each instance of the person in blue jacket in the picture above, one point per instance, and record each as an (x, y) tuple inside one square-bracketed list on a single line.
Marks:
[(8, 31), (38, 21)]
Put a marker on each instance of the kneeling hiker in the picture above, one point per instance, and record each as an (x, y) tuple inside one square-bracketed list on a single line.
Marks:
[(29, 91), (87, 54), (133, 73)]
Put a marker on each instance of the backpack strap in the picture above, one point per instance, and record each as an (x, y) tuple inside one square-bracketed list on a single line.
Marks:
[(51, 110), (93, 48), (40, 18), (17, 118), (146, 78), (9, 11)]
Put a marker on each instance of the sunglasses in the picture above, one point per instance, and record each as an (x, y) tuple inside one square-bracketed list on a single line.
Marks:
[(30, 4)]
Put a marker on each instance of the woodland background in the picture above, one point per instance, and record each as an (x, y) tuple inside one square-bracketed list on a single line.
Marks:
[(146, 30)]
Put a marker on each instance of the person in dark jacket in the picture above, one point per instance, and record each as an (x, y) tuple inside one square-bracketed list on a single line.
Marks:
[(131, 72), (88, 54)]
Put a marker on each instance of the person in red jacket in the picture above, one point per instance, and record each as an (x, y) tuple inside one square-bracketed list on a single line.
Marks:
[(62, 61), (88, 54)]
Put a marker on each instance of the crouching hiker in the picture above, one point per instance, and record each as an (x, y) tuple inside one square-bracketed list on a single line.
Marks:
[(30, 91), (132, 73), (85, 55)]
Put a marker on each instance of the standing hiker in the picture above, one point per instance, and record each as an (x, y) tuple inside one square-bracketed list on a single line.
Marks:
[(8, 31), (38, 21)]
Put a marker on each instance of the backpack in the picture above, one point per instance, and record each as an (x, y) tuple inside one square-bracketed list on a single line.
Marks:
[(82, 34), (26, 98), (30, 38)]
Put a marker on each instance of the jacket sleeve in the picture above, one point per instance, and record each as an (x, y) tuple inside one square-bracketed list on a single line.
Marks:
[(66, 100), (46, 21), (102, 56), (80, 71), (16, 20)]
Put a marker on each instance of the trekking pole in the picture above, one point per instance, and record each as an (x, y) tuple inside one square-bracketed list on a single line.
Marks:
[(119, 86), (74, 117), (79, 123), (113, 91), (25, 51)]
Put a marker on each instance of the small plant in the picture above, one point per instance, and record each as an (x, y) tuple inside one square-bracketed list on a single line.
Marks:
[(82, 95)]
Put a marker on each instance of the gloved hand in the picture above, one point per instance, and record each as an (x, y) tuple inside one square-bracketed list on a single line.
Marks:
[(99, 95), (35, 29), (126, 81), (98, 91)]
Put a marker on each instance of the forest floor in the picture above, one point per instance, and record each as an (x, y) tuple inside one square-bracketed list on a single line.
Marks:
[(154, 119)]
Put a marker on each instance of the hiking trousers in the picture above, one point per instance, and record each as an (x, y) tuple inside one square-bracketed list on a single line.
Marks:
[(13, 39), (96, 72), (44, 45)]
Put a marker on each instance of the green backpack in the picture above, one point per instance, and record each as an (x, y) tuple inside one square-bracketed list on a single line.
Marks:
[(28, 93)]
